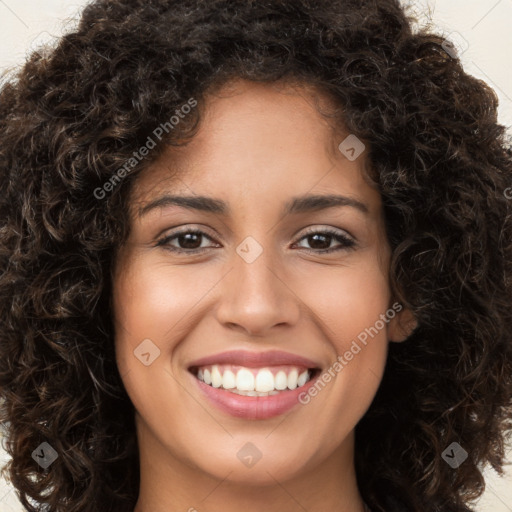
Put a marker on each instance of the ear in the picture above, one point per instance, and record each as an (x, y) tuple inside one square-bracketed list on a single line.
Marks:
[(401, 325)]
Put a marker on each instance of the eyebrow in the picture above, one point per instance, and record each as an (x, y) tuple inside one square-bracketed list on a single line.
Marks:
[(301, 204)]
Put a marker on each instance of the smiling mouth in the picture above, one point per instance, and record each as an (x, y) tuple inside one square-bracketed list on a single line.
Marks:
[(245, 381)]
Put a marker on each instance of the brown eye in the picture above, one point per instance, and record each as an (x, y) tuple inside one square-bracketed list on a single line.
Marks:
[(188, 241), (320, 241)]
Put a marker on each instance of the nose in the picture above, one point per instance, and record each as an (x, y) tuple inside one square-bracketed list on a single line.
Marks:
[(255, 296)]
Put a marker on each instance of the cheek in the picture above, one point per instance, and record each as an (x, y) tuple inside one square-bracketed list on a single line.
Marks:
[(151, 300), (158, 302), (346, 300), (349, 305), (346, 304)]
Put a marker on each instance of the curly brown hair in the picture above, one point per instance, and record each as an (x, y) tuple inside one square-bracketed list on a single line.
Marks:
[(72, 117)]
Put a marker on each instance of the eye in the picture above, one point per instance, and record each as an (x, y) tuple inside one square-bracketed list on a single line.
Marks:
[(321, 240), (188, 241)]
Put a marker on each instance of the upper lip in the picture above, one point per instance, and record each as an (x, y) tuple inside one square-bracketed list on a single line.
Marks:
[(255, 359)]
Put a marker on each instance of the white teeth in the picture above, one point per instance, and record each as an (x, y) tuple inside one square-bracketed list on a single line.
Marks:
[(249, 382), (281, 380), (216, 377), (244, 380), (303, 378), (254, 393), (264, 380), (228, 380), (292, 379)]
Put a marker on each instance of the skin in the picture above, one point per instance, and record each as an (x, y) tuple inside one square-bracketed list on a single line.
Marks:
[(258, 146)]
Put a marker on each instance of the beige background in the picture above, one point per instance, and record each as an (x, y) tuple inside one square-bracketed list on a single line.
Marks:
[(482, 30)]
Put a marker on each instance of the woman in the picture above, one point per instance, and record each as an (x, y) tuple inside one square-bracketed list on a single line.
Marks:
[(254, 254)]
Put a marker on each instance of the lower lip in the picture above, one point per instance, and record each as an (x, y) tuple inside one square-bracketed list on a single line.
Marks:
[(253, 407)]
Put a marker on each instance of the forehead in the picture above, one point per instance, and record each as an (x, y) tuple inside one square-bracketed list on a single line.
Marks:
[(263, 141)]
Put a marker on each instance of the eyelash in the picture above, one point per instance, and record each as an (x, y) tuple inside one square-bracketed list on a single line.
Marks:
[(347, 243)]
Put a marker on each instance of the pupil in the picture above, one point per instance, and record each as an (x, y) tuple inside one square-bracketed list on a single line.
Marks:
[(189, 242), (316, 238)]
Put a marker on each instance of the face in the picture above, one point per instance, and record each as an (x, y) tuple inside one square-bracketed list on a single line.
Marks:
[(252, 280)]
